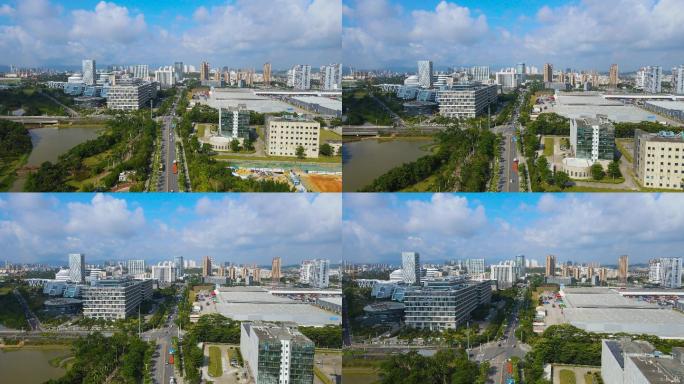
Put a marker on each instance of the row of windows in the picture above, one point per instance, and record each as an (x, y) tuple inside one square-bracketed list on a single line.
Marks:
[(661, 148)]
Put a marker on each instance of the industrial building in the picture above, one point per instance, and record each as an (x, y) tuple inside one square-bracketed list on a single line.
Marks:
[(659, 159), (628, 361), (440, 305), (277, 353), (114, 299)]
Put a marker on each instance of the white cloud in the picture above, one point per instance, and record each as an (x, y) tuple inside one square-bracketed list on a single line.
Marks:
[(105, 216), (108, 23)]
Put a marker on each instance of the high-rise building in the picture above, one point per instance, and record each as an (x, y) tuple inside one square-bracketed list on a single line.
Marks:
[(178, 264), (276, 353), (77, 267), (331, 77), (165, 76), (520, 265), (267, 73), (652, 77), (592, 138), (521, 72), (505, 274), (548, 73), (479, 73), (614, 76), (179, 71), (136, 267), (88, 71), (678, 80), (306, 272), (111, 299), (475, 267), (204, 71), (299, 77), (425, 73), (141, 71), (206, 266), (234, 122), (623, 269), (275, 269), (164, 273), (653, 165), (321, 273), (507, 79), (410, 267), (666, 272), (550, 266)]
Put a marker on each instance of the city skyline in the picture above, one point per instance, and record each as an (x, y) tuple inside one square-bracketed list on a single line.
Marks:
[(239, 33), (578, 227), (469, 32), (45, 228)]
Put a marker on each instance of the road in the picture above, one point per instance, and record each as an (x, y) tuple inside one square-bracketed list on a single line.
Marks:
[(33, 321), (161, 370), (168, 180)]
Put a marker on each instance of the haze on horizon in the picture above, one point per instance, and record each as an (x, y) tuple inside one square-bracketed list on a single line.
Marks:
[(584, 227), (237, 34), (237, 228), (577, 34)]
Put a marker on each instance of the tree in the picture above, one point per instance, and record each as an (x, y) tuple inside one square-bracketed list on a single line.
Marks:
[(235, 145), (597, 172), (542, 166), (249, 144), (326, 150), (300, 152), (561, 179), (614, 170)]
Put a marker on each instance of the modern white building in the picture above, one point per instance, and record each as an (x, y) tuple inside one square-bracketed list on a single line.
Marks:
[(410, 267), (277, 353), (88, 67), (666, 272), (130, 97), (299, 77), (315, 273), (650, 79), (425, 73), (179, 71), (114, 299), (465, 101), (678, 80), (331, 77), (234, 122), (77, 267), (136, 267), (479, 73), (284, 135), (165, 76), (659, 159), (141, 71), (164, 273), (508, 79), (505, 274)]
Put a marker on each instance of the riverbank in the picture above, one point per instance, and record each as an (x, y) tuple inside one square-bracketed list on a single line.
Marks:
[(35, 364)]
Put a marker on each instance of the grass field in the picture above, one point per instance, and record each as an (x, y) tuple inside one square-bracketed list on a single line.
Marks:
[(548, 146), (360, 375), (567, 377), (215, 369), (329, 135)]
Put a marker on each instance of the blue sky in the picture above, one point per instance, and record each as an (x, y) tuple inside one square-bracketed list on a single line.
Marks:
[(238, 33), (580, 34), (576, 227), (240, 228)]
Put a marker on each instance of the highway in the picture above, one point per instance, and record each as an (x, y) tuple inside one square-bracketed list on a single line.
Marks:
[(168, 181), (162, 372)]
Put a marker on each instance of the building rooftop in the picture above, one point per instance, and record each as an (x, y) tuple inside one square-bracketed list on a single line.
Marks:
[(676, 105), (660, 370), (276, 332), (332, 300), (664, 136), (325, 102)]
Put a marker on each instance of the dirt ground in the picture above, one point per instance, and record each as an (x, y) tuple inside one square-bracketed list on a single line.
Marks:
[(322, 183)]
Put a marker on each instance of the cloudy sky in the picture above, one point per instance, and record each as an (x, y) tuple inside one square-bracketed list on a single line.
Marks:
[(580, 34), (577, 227), (236, 33), (238, 228)]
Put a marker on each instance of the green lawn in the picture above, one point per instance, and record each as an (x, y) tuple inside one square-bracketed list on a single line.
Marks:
[(548, 146), (215, 369), (567, 377), (588, 378), (329, 135), (360, 375)]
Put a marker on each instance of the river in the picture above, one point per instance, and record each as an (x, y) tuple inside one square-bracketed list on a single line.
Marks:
[(49, 143), (363, 161), (31, 364)]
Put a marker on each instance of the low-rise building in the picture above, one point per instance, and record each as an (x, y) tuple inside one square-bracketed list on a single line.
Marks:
[(113, 299), (466, 100), (234, 122), (637, 362), (284, 135), (441, 305), (277, 353), (659, 159)]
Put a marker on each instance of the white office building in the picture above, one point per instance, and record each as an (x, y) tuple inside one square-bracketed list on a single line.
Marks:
[(136, 267), (465, 101), (299, 77), (508, 79), (331, 77), (114, 299), (141, 71), (284, 135), (479, 73), (475, 267), (410, 267), (88, 67), (165, 76), (425, 73), (678, 80), (164, 273), (130, 97), (277, 353), (505, 274), (77, 268)]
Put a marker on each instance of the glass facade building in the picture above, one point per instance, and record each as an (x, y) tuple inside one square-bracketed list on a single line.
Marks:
[(593, 138)]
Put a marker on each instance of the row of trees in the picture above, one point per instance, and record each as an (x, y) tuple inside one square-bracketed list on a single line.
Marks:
[(447, 366)]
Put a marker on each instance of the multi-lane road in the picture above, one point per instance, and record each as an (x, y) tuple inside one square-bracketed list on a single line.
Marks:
[(162, 371), (168, 180)]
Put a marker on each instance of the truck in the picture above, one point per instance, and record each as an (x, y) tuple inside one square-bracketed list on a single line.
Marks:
[(515, 165), (175, 166), (170, 359)]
